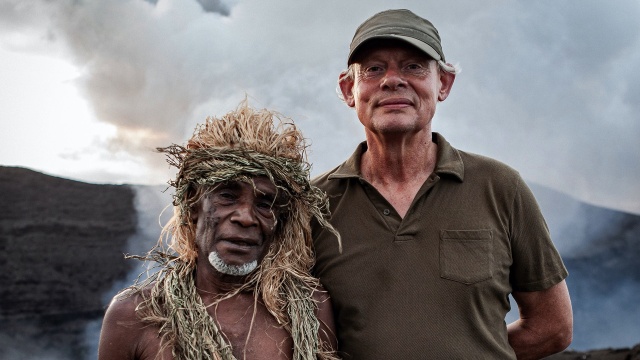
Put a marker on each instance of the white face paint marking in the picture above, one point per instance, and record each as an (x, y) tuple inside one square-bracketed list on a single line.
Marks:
[(234, 270)]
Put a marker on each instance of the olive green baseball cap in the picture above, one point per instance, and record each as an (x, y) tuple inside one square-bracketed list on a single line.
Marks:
[(400, 24)]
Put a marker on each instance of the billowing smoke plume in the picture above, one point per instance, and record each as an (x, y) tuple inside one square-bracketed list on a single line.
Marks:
[(550, 88), (599, 248), (153, 208)]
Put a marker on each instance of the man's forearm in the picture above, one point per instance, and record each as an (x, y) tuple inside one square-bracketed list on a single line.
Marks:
[(529, 343), (545, 326)]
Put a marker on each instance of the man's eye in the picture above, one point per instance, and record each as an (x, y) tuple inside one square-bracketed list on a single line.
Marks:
[(373, 69), (415, 69), (264, 205), (226, 195), (266, 209), (268, 203)]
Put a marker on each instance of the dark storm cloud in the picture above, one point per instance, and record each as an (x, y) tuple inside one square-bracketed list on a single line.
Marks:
[(213, 6)]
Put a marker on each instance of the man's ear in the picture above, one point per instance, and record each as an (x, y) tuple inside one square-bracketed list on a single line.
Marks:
[(346, 88), (446, 83)]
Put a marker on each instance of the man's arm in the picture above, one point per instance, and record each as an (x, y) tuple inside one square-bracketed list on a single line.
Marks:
[(120, 330), (327, 331), (545, 326)]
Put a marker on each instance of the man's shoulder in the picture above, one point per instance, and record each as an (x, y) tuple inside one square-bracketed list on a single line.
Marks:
[(327, 181), (123, 306), (126, 305), (332, 180), (122, 329), (320, 180), (476, 163), (467, 165)]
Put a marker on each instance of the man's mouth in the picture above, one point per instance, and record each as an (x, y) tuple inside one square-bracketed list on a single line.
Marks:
[(241, 242), (394, 103)]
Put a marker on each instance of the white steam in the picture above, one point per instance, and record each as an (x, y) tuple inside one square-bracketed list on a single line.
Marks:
[(557, 99)]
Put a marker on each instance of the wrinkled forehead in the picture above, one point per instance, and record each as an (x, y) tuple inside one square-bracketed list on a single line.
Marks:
[(264, 187)]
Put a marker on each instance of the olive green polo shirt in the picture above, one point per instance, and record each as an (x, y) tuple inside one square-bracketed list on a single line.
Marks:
[(434, 284)]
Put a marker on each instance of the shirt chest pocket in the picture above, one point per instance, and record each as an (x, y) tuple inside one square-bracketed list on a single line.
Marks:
[(466, 256)]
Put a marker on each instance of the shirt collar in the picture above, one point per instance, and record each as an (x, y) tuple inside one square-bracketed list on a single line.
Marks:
[(448, 161)]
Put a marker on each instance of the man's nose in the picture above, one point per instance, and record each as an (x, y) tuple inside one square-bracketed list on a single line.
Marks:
[(244, 214), (393, 78)]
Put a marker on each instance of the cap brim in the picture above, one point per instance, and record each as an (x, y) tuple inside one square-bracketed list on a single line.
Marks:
[(415, 42)]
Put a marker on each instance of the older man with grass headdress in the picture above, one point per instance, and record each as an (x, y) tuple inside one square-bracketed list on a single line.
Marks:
[(234, 282)]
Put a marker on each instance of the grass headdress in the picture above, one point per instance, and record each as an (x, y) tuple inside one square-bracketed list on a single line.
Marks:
[(238, 146)]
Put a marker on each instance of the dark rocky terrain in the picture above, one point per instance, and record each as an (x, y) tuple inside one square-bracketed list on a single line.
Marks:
[(62, 245), (61, 249), (603, 354)]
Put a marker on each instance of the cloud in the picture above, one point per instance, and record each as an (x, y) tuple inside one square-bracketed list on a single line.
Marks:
[(212, 6), (550, 96), (549, 88)]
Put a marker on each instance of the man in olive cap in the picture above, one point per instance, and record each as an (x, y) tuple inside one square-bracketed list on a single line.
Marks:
[(435, 239)]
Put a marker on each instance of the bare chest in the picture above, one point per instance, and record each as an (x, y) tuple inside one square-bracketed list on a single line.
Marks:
[(252, 332)]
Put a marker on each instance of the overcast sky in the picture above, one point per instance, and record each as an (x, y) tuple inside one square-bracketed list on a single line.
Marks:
[(89, 88)]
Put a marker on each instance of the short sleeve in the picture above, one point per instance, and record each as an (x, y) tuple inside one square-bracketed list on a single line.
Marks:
[(537, 265)]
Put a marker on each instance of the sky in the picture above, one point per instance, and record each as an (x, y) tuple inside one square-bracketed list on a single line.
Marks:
[(90, 88)]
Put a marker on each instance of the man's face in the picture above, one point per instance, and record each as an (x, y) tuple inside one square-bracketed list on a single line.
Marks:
[(396, 87), (235, 224)]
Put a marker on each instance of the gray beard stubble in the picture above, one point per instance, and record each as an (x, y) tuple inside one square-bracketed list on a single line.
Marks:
[(234, 270)]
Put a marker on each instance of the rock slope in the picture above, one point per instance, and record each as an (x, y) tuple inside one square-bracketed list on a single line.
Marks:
[(61, 249)]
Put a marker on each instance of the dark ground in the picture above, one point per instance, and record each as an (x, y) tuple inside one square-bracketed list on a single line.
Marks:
[(61, 249), (604, 354)]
